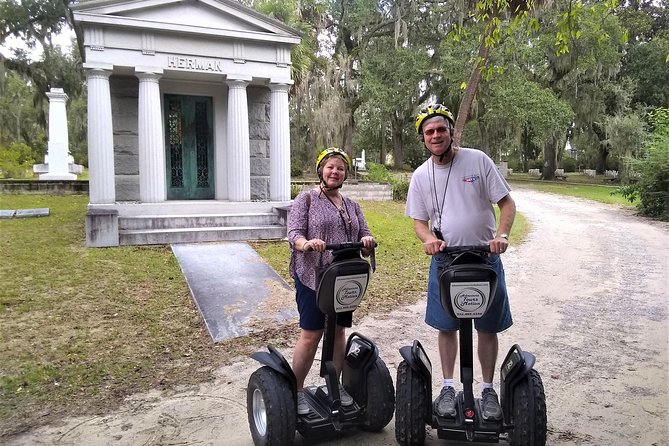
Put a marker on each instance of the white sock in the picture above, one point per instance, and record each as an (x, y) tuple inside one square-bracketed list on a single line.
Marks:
[(486, 386), (447, 382)]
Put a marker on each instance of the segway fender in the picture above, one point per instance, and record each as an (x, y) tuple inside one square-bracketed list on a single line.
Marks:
[(516, 365), (276, 361), (417, 359), (515, 369)]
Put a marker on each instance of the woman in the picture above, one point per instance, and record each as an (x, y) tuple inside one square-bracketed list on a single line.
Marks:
[(318, 217)]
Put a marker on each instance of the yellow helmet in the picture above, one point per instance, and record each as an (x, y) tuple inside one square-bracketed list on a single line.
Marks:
[(431, 111), (330, 151)]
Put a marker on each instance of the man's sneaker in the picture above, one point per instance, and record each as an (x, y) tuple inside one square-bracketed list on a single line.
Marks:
[(445, 402), (491, 407), (302, 406), (344, 397)]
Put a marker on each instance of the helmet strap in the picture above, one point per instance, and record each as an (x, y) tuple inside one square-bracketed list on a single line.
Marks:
[(443, 155)]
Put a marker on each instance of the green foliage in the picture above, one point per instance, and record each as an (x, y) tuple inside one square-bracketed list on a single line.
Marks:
[(296, 169), (378, 173), (652, 187), (16, 161), (568, 164)]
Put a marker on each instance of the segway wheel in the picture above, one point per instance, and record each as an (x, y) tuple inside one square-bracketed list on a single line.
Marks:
[(529, 413), (380, 398), (412, 407), (271, 408)]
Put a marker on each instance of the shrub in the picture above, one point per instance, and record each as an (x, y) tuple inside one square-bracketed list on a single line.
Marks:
[(568, 164), (296, 169), (652, 188), (400, 190), (16, 161)]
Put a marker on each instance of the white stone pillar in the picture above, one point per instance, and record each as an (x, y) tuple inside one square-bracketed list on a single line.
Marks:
[(59, 144), (100, 138), (279, 144), (239, 161), (152, 188)]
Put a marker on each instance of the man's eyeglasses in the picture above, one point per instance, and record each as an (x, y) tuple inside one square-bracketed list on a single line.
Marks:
[(435, 131)]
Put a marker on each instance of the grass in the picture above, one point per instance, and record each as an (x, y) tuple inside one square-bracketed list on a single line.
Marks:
[(82, 328), (595, 192)]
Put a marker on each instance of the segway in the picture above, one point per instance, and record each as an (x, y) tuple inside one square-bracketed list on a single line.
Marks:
[(467, 288), (271, 396)]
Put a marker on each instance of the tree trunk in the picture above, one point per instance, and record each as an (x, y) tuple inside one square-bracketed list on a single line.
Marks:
[(398, 156), (470, 91), (550, 159), (382, 150)]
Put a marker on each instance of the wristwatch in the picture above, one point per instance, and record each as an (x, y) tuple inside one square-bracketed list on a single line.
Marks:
[(505, 236)]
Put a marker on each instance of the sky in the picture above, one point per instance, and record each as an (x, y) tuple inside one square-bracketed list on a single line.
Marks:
[(63, 39)]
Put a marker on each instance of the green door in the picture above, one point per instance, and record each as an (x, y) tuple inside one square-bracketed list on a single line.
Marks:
[(189, 142)]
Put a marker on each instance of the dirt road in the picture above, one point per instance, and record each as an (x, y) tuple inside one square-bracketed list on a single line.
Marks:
[(589, 293)]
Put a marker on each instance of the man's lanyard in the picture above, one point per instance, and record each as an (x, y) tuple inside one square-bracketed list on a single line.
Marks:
[(433, 193)]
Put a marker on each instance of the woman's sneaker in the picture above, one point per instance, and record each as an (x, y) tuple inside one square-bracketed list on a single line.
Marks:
[(302, 406), (445, 402), (491, 407)]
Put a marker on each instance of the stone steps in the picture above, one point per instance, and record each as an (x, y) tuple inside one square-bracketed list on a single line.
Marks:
[(197, 235), (169, 229)]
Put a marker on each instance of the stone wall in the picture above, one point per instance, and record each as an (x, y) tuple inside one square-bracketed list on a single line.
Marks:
[(259, 108), (125, 103)]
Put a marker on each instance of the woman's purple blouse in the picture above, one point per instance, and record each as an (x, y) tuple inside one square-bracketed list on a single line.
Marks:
[(320, 219)]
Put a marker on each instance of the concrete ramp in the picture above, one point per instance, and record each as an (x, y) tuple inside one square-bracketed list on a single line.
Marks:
[(236, 291)]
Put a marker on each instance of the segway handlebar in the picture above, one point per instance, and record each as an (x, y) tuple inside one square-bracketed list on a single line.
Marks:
[(346, 245), (459, 249)]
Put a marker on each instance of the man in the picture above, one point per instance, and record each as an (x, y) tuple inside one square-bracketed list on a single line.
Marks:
[(450, 200)]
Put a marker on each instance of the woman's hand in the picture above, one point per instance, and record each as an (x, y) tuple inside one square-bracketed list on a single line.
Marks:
[(315, 244), (369, 243)]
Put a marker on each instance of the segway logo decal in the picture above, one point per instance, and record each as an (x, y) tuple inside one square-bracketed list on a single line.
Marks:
[(349, 291), (470, 300)]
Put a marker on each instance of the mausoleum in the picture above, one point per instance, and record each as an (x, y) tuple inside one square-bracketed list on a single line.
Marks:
[(188, 126)]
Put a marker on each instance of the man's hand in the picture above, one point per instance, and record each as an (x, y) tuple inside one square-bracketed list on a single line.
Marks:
[(432, 247), (498, 245)]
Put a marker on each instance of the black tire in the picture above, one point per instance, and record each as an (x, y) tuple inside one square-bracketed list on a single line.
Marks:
[(412, 407), (271, 408), (380, 398), (529, 425)]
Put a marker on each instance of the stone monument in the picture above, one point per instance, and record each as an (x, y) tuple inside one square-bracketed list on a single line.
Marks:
[(58, 163)]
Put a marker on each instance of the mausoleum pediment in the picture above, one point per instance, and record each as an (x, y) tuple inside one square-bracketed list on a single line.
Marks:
[(213, 17)]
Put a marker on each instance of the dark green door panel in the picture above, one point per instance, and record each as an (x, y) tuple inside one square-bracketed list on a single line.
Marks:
[(189, 146)]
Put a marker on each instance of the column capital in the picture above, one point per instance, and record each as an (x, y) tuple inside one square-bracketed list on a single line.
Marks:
[(236, 83), (97, 73), (148, 76), (279, 86)]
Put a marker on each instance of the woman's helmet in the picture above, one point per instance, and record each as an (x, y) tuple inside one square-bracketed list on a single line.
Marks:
[(431, 111), (332, 151)]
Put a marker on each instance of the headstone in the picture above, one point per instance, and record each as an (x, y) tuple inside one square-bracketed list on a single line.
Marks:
[(503, 168), (56, 162)]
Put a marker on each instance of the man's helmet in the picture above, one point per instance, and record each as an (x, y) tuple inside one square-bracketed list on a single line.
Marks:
[(431, 111), (331, 151)]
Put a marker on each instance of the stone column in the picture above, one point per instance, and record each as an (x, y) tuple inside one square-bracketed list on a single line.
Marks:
[(239, 162), (152, 188), (279, 144), (59, 144), (100, 138)]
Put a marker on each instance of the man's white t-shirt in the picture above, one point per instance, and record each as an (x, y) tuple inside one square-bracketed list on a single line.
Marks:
[(465, 199)]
